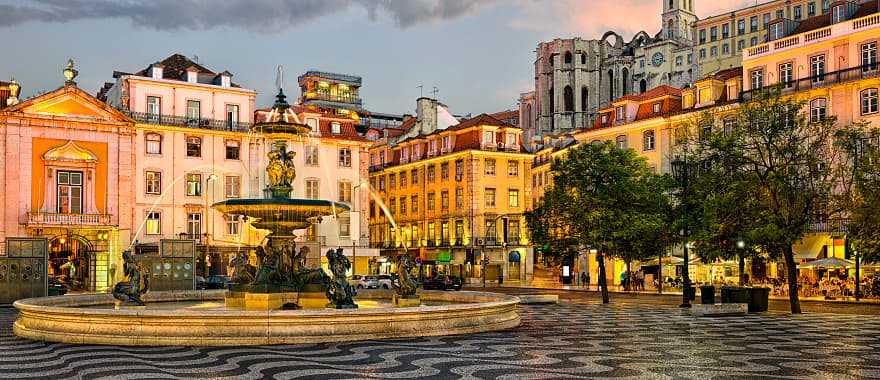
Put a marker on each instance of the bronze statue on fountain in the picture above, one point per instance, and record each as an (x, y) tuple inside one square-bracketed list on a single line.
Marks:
[(138, 283)]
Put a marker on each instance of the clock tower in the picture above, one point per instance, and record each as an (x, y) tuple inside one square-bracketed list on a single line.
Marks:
[(678, 20)]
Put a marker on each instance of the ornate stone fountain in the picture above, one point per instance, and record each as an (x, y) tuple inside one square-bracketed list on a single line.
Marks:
[(281, 278)]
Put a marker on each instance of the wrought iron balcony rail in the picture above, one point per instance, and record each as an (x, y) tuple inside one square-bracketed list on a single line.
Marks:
[(61, 219), (335, 98), (186, 122), (822, 80)]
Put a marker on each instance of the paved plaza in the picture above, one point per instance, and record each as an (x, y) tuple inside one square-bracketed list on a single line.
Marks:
[(575, 339)]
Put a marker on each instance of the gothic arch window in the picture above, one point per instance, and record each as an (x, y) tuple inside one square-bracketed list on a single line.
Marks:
[(670, 4), (670, 29), (568, 95), (643, 86), (625, 85), (610, 85), (583, 58), (552, 102), (584, 98), (528, 116), (568, 57)]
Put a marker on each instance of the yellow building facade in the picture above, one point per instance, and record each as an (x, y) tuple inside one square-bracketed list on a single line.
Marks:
[(454, 198)]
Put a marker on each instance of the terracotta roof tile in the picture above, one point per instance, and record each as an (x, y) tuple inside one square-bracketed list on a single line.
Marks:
[(824, 20)]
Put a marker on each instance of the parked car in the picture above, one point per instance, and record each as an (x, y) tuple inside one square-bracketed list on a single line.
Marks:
[(443, 282), (365, 282), (56, 288), (214, 282), (385, 281)]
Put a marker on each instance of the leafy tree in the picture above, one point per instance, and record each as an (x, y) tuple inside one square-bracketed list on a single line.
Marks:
[(778, 167), (861, 198), (604, 198)]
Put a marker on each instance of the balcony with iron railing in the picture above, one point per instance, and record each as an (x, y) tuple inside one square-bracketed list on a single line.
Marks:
[(823, 80), (60, 219), (187, 122), (810, 37), (334, 98)]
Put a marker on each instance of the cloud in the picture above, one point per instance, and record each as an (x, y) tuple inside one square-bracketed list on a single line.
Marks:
[(252, 15), (592, 18)]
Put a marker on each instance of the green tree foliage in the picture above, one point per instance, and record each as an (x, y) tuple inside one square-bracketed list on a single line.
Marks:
[(861, 198), (603, 198), (767, 174)]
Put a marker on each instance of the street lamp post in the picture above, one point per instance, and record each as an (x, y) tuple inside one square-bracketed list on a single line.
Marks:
[(680, 170)]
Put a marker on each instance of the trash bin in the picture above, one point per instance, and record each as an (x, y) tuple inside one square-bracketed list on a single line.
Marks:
[(691, 293), (733, 294), (759, 299), (707, 294)]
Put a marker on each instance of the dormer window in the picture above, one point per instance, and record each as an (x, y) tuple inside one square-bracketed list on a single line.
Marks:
[(192, 76), (447, 142), (776, 31), (488, 137), (510, 139), (156, 71), (225, 79), (335, 128), (621, 112), (838, 14), (604, 118), (416, 151), (313, 124), (656, 107)]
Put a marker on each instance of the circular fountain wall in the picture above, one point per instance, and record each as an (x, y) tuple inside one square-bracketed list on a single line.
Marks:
[(92, 319)]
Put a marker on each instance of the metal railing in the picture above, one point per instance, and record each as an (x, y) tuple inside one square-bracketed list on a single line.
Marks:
[(822, 80), (60, 219), (828, 226), (335, 98), (186, 122)]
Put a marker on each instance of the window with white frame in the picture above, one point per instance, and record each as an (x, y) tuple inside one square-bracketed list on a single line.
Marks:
[(490, 197), (345, 157), (232, 186), (335, 128), (447, 143), (232, 116), (153, 143), (785, 74), (648, 140), (490, 166), (869, 56), (620, 142), (818, 109), (70, 192), (193, 184), (621, 112), (757, 78), (312, 155), (312, 123), (194, 224), (312, 191), (776, 31), (345, 191), (193, 110), (512, 168), (154, 108), (153, 182), (513, 198), (838, 14), (488, 137), (656, 107), (510, 139), (817, 67), (233, 225), (869, 101), (153, 223)]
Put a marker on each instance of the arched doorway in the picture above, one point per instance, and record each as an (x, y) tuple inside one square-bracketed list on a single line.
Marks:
[(69, 260), (513, 262)]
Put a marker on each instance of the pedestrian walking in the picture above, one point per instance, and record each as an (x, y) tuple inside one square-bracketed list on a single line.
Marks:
[(584, 278)]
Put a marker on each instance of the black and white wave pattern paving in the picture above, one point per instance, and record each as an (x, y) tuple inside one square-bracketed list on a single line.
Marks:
[(571, 340)]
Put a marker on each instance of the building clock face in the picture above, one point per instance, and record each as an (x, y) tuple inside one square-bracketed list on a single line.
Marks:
[(657, 59)]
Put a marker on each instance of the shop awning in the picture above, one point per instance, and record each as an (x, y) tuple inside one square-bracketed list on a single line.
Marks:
[(828, 262)]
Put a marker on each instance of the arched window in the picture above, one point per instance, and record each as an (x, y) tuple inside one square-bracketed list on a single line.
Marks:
[(670, 4), (648, 140), (528, 116), (584, 98), (568, 98), (193, 146), (583, 58), (153, 143), (643, 86), (818, 109), (567, 57), (610, 85), (625, 85), (869, 101), (552, 102), (670, 32)]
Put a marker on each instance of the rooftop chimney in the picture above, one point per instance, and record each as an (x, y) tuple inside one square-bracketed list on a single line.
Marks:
[(426, 113)]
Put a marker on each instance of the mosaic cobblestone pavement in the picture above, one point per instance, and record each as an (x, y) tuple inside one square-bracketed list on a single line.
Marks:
[(570, 340)]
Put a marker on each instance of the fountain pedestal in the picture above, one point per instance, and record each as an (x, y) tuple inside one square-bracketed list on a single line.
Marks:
[(259, 301), (413, 301)]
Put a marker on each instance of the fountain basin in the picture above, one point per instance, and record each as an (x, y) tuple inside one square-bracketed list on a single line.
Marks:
[(281, 215), (69, 319)]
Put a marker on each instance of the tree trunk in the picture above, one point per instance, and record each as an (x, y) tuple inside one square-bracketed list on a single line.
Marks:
[(603, 285), (792, 280), (742, 270), (628, 285)]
